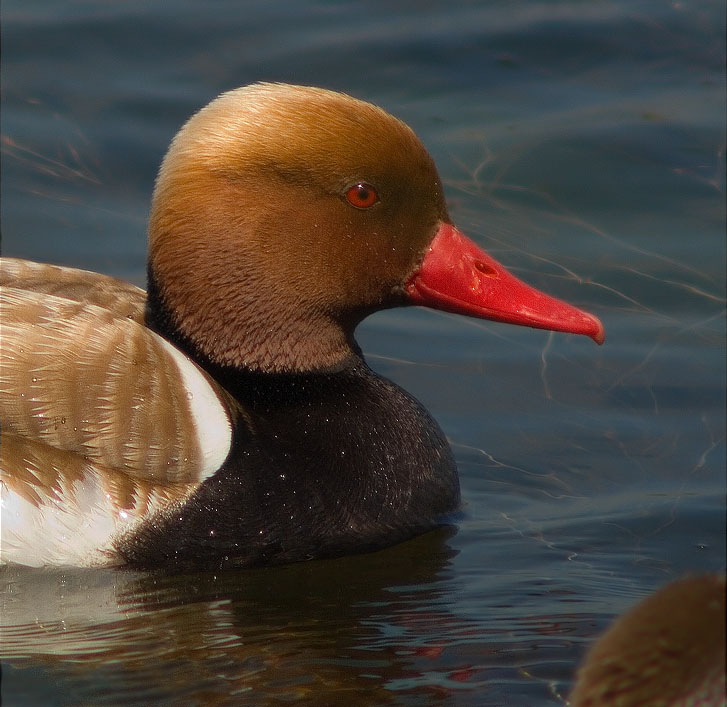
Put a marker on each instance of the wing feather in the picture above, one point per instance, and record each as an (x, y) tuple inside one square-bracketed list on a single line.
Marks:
[(80, 373), (84, 286)]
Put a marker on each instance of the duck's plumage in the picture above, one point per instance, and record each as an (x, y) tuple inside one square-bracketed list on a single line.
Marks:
[(98, 411), (667, 651), (226, 416)]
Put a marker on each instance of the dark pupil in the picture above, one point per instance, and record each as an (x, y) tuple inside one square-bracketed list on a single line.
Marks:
[(363, 193)]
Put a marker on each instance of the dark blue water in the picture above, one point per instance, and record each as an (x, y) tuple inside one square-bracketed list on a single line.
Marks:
[(583, 145)]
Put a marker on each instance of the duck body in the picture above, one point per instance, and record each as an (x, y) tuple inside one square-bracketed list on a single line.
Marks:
[(321, 464), (315, 464), (226, 417)]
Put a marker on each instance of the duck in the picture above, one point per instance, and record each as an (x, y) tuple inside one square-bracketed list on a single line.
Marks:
[(226, 417), (666, 651)]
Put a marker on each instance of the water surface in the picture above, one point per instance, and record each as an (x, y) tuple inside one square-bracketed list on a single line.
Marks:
[(583, 145)]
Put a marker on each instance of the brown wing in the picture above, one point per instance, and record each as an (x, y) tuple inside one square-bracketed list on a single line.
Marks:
[(83, 286), (80, 374)]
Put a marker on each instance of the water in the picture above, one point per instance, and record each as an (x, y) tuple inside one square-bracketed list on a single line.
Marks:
[(583, 145)]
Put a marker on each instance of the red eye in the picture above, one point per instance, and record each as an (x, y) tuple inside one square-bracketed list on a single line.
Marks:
[(361, 195)]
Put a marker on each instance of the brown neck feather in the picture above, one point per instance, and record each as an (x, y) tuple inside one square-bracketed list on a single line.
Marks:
[(265, 338)]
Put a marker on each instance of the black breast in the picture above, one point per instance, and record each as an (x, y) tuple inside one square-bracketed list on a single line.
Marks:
[(322, 464)]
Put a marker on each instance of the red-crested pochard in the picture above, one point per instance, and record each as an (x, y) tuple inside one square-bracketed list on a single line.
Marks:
[(226, 416)]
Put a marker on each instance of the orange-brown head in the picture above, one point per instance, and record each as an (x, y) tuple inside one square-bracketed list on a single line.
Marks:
[(284, 214), (257, 251)]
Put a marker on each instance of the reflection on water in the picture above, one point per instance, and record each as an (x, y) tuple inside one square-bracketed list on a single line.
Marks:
[(383, 625), (323, 629)]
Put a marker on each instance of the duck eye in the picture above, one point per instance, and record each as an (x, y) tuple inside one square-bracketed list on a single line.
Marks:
[(361, 195)]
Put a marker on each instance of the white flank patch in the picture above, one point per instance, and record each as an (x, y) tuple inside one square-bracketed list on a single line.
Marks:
[(76, 529), (211, 423)]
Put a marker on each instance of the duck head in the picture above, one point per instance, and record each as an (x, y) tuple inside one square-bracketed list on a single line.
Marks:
[(282, 215)]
